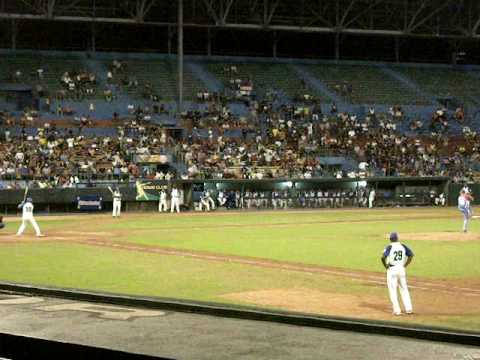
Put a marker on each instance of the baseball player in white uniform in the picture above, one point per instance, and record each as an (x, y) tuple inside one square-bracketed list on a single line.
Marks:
[(238, 200), (27, 216), (464, 207), (396, 257), (276, 201), (222, 199), (248, 199), (175, 201), (209, 199), (440, 200), (117, 201), (371, 198), (162, 201), (204, 203), (282, 201)]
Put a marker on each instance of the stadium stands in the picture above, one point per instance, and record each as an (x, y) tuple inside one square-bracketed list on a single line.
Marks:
[(160, 75), (268, 78), (361, 84), (446, 83), (268, 121)]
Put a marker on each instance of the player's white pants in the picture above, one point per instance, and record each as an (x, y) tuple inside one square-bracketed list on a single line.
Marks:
[(440, 201), (32, 221), (175, 205), (275, 203), (396, 278), (279, 203), (467, 214), (117, 207), (211, 203), (206, 204), (370, 203), (162, 206)]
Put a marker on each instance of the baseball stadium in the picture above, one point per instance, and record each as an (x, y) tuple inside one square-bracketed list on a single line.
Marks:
[(239, 179)]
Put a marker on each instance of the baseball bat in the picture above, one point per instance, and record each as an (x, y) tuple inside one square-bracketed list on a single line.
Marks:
[(25, 194)]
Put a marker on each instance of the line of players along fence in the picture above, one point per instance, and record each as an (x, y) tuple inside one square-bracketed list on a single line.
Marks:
[(297, 193)]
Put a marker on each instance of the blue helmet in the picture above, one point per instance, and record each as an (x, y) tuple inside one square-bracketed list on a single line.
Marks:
[(29, 199), (393, 236)]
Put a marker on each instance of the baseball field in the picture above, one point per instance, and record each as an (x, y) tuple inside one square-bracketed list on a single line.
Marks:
[(322, 262)]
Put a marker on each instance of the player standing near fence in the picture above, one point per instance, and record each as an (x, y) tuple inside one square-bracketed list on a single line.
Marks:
[(27, 216), (396, 257), (117, 201), (175, 201), (162, 201)]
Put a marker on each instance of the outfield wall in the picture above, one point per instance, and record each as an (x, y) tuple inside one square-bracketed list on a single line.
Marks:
[(143, 195)]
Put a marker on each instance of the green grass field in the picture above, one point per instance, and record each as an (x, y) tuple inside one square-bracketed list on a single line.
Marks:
[(247, 258)]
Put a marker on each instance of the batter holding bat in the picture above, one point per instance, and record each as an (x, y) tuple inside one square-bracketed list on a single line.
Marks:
[(27, 216), (117, 202)]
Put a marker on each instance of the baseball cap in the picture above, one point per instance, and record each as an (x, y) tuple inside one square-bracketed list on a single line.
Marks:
[(393, 236)]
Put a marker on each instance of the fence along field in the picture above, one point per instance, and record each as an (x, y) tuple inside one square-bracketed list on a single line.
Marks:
[(322, 262)]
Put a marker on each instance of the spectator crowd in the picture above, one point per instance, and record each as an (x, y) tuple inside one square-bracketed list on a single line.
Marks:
[(273, 139)]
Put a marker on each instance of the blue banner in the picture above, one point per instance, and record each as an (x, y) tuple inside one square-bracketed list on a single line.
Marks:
[(89, 203)]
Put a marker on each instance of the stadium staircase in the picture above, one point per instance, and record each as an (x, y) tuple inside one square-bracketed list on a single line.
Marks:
[(269, 79), (317, 84), (444, 82), (422, 95), (369, 85), (208, 79)]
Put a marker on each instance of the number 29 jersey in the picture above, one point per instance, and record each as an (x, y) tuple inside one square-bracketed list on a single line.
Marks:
[(396, 254)]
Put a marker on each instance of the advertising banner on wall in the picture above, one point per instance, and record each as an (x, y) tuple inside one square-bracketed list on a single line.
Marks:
[(89, 203), (149, 190)]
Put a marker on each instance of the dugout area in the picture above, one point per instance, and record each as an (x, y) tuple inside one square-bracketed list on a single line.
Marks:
[(390, 192)]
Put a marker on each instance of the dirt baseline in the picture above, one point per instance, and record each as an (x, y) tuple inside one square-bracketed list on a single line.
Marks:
[(100, 239), (440, 236)]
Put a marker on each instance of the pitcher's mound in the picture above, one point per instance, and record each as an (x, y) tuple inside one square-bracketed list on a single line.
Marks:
[(441, 236)]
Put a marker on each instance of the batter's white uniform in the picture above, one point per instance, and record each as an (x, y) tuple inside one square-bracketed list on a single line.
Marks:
[(175, 201), (27, 216), (117, 203), (396, 255), (162, 201)]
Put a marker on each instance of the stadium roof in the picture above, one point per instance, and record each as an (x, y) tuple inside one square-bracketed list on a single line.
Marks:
[(451, 19)]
